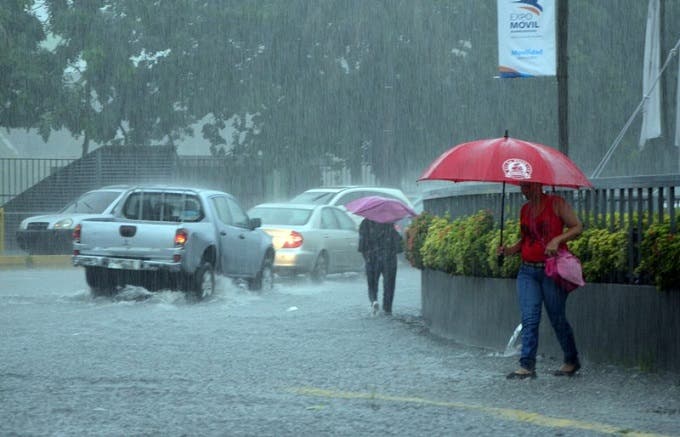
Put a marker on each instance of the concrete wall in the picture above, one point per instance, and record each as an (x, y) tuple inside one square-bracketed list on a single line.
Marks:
[(613, 323)]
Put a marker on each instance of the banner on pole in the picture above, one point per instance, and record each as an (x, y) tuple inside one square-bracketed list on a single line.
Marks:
[(526, 38), (651, 70)]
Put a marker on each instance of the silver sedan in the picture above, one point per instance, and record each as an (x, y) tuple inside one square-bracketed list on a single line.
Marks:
[(311, 239)]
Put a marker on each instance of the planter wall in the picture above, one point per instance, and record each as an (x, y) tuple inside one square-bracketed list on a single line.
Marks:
[(613, 323)]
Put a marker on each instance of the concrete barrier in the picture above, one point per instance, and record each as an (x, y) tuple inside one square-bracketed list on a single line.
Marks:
[(613, 323)]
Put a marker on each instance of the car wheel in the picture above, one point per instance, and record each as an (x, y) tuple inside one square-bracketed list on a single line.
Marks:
[(202, 283), (265, 277), (320, 270), (101, 281)]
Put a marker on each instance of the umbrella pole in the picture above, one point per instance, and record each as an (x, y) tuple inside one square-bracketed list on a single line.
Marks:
[(500, 256)]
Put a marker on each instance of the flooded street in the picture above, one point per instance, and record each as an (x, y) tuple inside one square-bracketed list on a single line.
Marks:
[(303, 359)]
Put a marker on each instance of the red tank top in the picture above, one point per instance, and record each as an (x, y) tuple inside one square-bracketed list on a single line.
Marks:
[(537, 234)]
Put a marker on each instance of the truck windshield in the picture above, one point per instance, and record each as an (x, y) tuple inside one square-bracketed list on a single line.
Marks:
[(94, 202)]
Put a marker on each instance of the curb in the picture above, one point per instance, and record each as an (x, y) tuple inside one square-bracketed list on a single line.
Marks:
[(30, 261)]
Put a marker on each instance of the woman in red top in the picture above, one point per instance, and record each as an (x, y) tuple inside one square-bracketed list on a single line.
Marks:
[(547, 222)]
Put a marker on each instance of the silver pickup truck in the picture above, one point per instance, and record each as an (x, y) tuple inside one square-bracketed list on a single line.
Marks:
[(173, 238)]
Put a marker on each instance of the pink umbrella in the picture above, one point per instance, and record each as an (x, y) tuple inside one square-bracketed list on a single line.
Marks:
[(380, 209)]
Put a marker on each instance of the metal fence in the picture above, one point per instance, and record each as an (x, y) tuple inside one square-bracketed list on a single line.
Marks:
[(19, 174)]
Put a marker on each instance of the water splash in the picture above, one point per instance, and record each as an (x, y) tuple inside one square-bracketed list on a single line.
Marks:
[(513, 346)]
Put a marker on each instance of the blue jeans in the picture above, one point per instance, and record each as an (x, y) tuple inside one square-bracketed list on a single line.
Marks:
[(536, 289)]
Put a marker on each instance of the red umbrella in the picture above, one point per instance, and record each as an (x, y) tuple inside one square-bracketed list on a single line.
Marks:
[(506, 160)]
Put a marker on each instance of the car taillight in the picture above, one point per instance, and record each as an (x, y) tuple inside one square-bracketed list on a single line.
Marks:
[(293, 240), (76, 233), (181, 237)]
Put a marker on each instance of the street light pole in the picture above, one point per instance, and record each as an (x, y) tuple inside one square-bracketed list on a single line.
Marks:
[(562, 75)]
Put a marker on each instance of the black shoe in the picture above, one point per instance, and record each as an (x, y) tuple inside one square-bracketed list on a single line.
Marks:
[(571, 372), (522, 374)]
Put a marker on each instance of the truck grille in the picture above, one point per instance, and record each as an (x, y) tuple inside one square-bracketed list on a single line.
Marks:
[(37, 226)]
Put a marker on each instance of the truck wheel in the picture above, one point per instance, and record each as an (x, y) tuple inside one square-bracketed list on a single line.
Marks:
[(202, 284), (101, 281), (265, 277), (320, 270)]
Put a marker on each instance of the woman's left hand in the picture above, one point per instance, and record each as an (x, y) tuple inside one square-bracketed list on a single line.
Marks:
[(551, 248)]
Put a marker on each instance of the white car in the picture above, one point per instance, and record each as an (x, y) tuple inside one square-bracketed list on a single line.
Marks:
[(310, 239), (52, 234), (340, 196)]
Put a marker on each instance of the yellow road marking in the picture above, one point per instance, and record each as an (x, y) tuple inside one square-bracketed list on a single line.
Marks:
[(504, 413)]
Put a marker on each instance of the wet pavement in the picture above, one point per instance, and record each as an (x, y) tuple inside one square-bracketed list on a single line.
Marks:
[(303, 359)]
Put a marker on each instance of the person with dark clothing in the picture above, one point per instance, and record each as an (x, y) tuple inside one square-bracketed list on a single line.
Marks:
[(380, 243)]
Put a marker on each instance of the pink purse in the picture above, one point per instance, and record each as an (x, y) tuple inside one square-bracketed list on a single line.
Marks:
[(565, 269)]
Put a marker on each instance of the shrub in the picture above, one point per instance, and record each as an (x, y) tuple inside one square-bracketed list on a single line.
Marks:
[(468, 245), (458, 246), (602, 253), (660, 251), (509, 266), (472, 239), (415, 237), (437, 249)]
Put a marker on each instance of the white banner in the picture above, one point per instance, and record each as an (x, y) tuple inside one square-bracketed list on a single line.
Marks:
[(526, 38), (651, 91)]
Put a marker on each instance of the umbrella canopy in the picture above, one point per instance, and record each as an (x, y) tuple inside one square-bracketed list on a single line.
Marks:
[(506, 160), (380, 209)]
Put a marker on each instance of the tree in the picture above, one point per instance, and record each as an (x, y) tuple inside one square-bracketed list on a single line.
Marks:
[(29, 73), (305, 84)]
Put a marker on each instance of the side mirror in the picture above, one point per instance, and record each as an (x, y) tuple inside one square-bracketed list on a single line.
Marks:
[(255, 223)]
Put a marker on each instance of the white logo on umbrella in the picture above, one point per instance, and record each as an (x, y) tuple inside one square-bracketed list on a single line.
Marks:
[(516, 168)]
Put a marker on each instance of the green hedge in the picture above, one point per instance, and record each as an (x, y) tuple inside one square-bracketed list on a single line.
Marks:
[(467, 246)]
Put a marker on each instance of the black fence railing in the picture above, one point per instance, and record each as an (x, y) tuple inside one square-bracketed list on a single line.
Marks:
[(633, 203), (19, 174)]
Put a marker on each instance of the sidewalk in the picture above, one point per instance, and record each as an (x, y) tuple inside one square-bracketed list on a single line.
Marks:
[(14, 261)]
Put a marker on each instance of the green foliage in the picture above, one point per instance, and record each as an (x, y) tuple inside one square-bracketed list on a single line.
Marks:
[(437, 250), (30, 75), (473, 236), (602, 253), (368, 82), (458, 247), (468, 246), (660, 250), (415, 237), (509, 266)]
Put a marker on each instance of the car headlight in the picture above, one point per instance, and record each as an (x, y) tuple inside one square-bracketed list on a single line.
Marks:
[(66, 223)]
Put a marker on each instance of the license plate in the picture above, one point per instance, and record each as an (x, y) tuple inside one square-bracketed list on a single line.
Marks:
[(127, 264)]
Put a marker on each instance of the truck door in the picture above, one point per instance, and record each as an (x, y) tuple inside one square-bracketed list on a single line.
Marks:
[(228, 236), (249, 245)]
